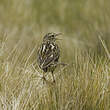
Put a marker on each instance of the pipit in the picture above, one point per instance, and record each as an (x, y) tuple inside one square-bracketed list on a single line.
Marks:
[(48, 54)]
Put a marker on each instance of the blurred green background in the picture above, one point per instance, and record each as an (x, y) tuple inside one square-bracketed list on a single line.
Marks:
[(80, 20)]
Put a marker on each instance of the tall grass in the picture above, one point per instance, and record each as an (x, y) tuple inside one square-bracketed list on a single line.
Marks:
[(84, 83)]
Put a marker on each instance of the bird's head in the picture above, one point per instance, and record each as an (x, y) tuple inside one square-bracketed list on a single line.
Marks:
[(51, 37)]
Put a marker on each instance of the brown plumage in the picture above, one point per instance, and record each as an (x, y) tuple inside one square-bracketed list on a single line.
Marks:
[(49, 53)]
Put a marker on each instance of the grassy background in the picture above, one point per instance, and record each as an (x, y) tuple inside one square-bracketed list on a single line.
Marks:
[(85, 46)]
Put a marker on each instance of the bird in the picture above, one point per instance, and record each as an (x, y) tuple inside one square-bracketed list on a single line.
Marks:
[(48, 54)]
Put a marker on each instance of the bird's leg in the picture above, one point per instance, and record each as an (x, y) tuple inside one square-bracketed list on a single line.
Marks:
[(53, 77), (44, 79)]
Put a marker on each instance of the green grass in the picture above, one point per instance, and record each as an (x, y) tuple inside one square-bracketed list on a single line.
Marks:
[(84, 83)]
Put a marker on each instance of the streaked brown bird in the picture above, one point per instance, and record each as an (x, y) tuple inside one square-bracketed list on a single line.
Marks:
[(48, 54)]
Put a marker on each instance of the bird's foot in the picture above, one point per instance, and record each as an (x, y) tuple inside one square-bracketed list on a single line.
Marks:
[(44, 79), (54, 81)]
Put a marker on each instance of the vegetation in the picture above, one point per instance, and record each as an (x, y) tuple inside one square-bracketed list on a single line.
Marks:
[(85, 47)]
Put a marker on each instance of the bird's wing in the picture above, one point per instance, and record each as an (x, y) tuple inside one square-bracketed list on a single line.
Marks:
[(48, 55)]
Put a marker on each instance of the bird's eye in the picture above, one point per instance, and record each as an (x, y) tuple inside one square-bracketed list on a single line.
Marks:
[(52, 35)]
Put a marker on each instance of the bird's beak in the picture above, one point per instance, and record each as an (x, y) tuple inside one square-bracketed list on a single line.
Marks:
[(58, 35)]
